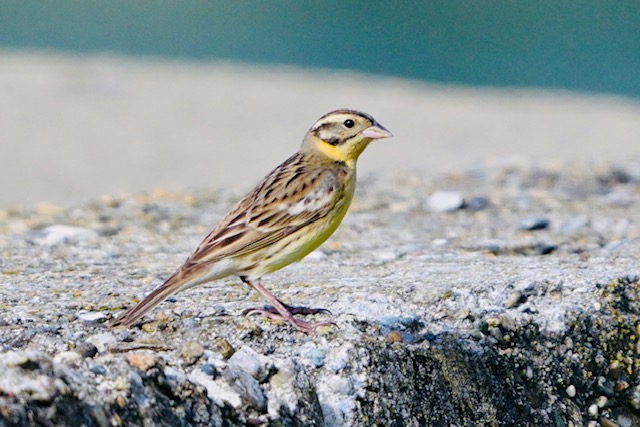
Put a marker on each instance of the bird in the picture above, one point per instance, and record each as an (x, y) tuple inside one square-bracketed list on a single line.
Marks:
[(290, 213)]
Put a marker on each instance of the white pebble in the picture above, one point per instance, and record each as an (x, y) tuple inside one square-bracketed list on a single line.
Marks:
[(56, 234), (445, 201), (602, 401), (90, 316), (439, 242)]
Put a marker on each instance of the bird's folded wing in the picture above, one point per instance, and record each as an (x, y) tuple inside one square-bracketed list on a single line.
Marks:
[(285, 202)]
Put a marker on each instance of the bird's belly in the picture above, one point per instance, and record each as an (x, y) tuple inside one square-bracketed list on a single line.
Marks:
[(298, 245)]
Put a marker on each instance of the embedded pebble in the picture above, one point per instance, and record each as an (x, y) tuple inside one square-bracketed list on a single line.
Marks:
[(151, 327), (98, 369), (395, 322), (545, 248), (439, 242), (210, 369), (86, 349), (191, 351), (463, 313), (477, 203), (248, 360), (529, 373), (90, 316), (445, 201), (56, 234), (534, 223), (624, 421), (247, 388), (394, 336), (316, 357), (602, 401), (121, 401), (515, 299), (222, 346), (142, 361), (507, 322), (102, 340), (337, 360), (571, 391)]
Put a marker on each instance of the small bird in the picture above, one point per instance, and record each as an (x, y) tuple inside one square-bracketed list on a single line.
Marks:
[(291, 212)]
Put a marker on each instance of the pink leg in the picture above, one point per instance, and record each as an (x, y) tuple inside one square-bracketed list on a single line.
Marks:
[(282, 311)]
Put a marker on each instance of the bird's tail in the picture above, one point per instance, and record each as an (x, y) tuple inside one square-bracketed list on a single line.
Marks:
[(176, 283)]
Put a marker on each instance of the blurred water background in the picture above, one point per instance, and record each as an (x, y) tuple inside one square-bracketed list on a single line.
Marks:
[(591, 45), (99, 97)]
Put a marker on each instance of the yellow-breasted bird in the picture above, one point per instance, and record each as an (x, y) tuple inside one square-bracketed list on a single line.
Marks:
[(291, 212)]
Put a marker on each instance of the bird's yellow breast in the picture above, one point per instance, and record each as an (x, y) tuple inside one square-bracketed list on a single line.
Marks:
[(296, 246)]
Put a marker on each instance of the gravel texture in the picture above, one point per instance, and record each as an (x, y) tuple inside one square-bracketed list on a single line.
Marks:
[(523, 310)]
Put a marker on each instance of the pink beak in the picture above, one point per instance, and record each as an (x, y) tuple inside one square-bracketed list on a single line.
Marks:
[(376, 132)]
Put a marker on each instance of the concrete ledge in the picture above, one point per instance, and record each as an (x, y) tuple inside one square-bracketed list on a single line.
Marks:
[(517, 307)]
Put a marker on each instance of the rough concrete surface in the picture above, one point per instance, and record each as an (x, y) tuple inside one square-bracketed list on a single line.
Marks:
[(505, 294)]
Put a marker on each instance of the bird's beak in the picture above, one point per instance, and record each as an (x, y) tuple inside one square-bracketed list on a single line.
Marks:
[(376, 132)]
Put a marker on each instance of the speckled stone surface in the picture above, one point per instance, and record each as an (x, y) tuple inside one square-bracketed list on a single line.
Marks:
[(458, 317), (474, 282)]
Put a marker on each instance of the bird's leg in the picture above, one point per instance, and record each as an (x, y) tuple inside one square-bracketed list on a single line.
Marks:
[(281, 311)]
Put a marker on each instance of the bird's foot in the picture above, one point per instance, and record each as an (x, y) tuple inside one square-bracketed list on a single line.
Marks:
[(281, 311), (299, 324), (291, 309)]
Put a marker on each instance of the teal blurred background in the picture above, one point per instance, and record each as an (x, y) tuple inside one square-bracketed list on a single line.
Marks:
[(590, 45)]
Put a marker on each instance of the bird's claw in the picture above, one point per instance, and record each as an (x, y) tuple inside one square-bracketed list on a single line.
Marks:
[(292, 309), (299, 324)]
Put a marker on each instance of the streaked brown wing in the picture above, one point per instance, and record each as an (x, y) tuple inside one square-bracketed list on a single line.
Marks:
[(290, 198)]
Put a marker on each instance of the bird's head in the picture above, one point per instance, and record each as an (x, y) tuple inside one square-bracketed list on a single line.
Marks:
[(343, 134)]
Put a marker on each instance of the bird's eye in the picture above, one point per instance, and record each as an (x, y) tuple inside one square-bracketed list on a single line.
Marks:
[(349, 123)]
